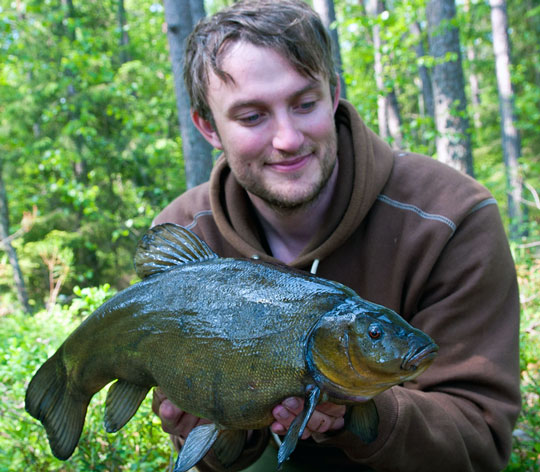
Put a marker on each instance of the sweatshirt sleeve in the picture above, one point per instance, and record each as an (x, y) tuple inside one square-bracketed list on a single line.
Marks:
[(459, 414)]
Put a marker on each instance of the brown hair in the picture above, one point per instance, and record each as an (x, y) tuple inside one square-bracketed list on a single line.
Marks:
[(290, 27)]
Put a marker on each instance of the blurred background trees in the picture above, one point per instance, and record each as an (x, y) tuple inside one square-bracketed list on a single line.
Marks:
[(90, 134)]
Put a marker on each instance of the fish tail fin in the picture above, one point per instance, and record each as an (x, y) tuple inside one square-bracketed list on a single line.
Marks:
[(49, 400)]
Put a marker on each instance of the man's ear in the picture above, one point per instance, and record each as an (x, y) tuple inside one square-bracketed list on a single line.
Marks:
[(207, 129)]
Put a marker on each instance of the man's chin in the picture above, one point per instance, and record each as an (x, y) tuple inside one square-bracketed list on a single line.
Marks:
[(282, 203)]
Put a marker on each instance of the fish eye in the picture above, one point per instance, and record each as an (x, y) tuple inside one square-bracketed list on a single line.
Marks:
[(375, 331)]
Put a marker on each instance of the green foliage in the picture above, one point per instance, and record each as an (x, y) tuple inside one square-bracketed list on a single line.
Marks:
[(526, 450), (88, 300), (25, 344), (89, 140)]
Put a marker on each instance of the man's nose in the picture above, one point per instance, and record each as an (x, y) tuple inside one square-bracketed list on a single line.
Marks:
[(287, 137)]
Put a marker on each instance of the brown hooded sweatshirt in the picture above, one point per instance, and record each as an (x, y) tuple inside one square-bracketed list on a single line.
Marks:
[(416, 236)]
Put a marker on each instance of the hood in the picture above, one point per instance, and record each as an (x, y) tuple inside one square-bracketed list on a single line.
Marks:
[(365, 162)]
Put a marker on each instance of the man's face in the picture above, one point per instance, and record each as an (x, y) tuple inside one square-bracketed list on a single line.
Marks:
[(274, 125)]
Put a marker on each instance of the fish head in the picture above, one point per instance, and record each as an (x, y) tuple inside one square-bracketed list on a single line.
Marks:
[(361, 349)]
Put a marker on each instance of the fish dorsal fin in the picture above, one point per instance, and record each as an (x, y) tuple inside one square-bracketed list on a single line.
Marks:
[(169, 245)]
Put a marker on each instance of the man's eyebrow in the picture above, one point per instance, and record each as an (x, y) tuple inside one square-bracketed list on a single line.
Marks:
[(313, 85)]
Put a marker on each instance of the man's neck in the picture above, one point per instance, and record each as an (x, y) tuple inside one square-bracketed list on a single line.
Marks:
[(288, 233)]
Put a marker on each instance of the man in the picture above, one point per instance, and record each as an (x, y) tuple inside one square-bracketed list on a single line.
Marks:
[(303, 181)]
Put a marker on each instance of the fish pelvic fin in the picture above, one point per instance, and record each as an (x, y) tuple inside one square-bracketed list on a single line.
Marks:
[(298, 425), (362, 419), (197, 444), (229, 445), (62, 413), (123, 401), (169, 245)]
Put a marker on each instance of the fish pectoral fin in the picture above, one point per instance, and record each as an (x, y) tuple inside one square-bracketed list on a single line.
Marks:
[(123, 401), (298, 425), (363, 420), (197, 444), (229, 445), (166, 246)]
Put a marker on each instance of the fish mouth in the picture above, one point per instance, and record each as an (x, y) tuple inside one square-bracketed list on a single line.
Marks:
[(419, 356)]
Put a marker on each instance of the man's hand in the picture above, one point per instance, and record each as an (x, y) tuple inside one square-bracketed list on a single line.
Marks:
[(174, 420), (326, 417)]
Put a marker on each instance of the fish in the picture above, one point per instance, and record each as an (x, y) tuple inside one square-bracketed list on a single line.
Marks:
[(226, 339)]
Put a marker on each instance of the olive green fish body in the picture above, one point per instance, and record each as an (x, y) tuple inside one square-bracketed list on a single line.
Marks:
[(226, 340), (215, 348)]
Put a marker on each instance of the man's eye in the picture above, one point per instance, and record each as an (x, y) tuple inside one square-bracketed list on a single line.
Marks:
[(250, 119), (306, 106)]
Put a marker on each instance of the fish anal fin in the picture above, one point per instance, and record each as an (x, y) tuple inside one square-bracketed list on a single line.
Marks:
[(229, 445), (298, 425), (166, 246), (123, 401), (363, 420), (197, 444), (62, 413)]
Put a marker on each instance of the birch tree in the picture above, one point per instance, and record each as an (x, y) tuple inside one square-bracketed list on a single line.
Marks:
[(181, 17), (453, 138), (510, 136)]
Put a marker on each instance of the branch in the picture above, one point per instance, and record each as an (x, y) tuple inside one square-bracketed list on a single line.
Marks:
[(527, 245), (534, 194), (26, 224), (6, 241)]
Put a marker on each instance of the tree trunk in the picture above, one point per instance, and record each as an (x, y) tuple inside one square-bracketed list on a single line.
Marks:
[(80, 167), (393, 117), (124, 37), (5, 244), (373, 8), (473, 77), (387, 105), (453, 138), (475, 87), (427, 90), (325, 8), (196, 150), (510, 137)]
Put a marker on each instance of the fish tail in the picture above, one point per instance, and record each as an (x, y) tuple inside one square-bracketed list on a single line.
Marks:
[(62, 413)]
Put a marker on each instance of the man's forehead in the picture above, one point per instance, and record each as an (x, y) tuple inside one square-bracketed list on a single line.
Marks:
[(246, 66)]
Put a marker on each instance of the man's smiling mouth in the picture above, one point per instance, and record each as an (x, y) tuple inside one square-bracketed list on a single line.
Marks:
[(291, 164)]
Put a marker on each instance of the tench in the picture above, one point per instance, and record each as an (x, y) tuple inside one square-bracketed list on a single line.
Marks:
[(226, 340)]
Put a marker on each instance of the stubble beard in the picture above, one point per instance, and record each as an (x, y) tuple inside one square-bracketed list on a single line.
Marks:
[(288, 205)]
